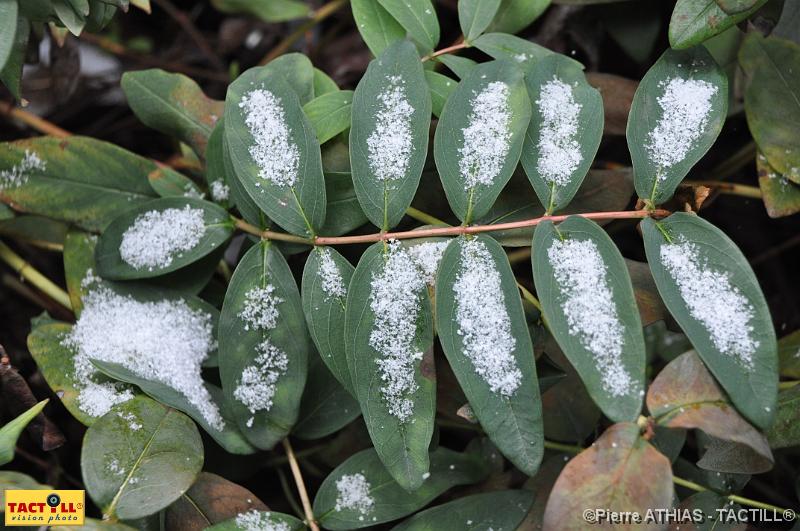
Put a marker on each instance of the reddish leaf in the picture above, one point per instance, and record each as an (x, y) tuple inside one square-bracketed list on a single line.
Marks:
[(620, 472)]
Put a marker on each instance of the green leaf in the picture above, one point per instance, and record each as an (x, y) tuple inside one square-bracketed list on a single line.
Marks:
[(377, 27), (37, 230), (132, 473), (330, 113), (515, 15), (467, 136), (772, 99), (503, 46), (504, 509), (263, 346), (81, 180), (56, 363), (684, 395), (587, 298), (711, 291), (326, 278), (238, 195), (475, 16), (609, 475), (389, 334), (9, 10), (267, 10), (389, 501), (565, 130), (694, 21), (323, 84), (786, 430), (168, 183), (326, 406), (292, 193), (122, 251), (260, 520), (389, 136), (78, 261), (344, 211), (781, 196), (173, 104), (677, 114), (788, 347), (602, 190), (11, 432), (297, 70), (11, 71), (216, 174), (460, 66), (211, 499), (71, 19), (483, 333), (228, 437), (418, 18), (440, 89)]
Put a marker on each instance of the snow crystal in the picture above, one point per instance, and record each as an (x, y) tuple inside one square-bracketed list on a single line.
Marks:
[(353, 494), (156, 237), (427, 257), (390, 144), (191, 191), (685, 106), (590, 309), (18, 174), (131, 419), (164, 341), (219, 191), (254, 520), (487, 137), (115, 468), (273, 151), (394, 299), (559, 151), (711, 298), (256, 388), (483, 321), (260, 310), (332, 281)]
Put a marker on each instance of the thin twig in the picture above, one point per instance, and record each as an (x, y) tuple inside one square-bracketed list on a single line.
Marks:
[(188, 26), (449, 49), (44, 284), (301, 486), (424, 217), (30, 119), (319, 15)]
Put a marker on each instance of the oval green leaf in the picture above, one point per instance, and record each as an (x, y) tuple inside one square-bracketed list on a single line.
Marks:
[(389, 331), (474, 16), (694, 21), (248, 208), (227, 435), (440, 87), (274, 150), (389, 135), (500, 510), (173, 104), (139, 458), (374, 497), (676, 115), (587, 298), (160, 237), (81, 180), (418, 18), (263, 346), (483, 333), (503, 46), (326, 279), (712, 292), (297, 70), (479, 137), (377, 27), (330, 113), (515, 15), (565, 130), (772, 99)]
